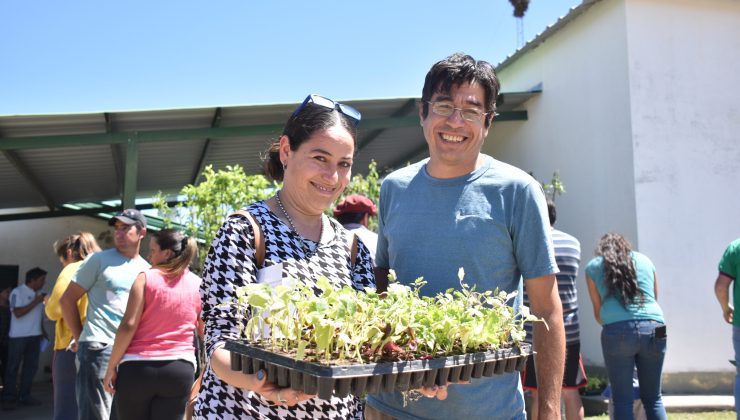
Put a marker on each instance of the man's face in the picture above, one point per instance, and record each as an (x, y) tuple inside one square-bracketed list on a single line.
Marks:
[(126, 236), (455, 143), (37, 283)]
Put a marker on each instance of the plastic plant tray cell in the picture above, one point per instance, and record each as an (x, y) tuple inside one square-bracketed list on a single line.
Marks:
[(372, 378)]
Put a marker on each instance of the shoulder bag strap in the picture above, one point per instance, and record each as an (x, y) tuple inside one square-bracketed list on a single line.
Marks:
[(259, 240), (352, 240)]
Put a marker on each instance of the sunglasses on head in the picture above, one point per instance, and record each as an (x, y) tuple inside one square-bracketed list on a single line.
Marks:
[(319, 100)]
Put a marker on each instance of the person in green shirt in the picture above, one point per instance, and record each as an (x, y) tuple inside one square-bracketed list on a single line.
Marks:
[(729, 268)]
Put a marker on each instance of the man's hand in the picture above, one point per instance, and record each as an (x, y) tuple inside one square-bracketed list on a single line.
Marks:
[(728, 313), (722, 291)]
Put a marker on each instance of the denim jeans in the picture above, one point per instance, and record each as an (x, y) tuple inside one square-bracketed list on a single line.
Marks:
[(736, 346), (630, 344), (26, 349), (64, 375), (93, 403)]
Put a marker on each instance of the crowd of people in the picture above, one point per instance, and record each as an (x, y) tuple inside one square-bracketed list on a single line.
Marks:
[(125, 326)]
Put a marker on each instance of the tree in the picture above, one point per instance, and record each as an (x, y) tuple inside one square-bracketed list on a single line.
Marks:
[(207, 204), (554, 188), (520, 6)]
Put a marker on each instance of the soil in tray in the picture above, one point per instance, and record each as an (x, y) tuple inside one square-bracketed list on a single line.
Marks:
[(371, 378)]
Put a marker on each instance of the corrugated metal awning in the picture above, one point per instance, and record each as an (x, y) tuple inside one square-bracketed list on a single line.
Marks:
[(52, 161)]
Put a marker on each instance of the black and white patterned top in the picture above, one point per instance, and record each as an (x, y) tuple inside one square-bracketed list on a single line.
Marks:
[(230, 265)]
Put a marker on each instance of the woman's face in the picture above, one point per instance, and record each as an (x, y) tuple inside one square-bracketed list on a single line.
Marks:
[(319, 170), (156, 254)]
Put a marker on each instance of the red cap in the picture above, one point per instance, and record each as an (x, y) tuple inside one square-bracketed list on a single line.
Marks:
[(355, 204)]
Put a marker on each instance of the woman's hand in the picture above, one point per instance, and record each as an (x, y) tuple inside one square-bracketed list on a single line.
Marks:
[(109, 383), (277, 396)]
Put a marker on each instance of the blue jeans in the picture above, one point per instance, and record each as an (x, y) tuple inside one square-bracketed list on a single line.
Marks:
[(628, 344), (64, 375), (26, 349), (736, 346), (93, 403)]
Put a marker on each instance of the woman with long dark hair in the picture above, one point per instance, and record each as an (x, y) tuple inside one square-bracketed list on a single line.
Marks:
[(313, 158), (624, 292), (71, 251), (152, 364)]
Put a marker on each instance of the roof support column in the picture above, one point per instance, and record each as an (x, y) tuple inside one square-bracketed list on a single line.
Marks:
[(132, 170)]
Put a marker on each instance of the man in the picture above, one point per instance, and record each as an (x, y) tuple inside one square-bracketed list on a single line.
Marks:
[(24, 343), (353, 212), (461, 208), (106, 277), (729, 269), (568, 255)]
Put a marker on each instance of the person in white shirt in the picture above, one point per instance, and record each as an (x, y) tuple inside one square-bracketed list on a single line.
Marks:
[(26, 306), (353, 212)]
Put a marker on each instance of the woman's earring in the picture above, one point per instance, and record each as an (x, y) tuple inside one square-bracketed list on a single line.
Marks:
[(285, 166)]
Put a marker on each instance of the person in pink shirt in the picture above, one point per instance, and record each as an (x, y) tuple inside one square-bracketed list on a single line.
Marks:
[(152, 365)]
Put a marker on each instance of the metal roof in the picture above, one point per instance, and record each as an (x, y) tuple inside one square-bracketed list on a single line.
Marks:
[(52, 161)]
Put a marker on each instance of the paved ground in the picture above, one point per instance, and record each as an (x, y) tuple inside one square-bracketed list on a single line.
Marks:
[(42, 391)]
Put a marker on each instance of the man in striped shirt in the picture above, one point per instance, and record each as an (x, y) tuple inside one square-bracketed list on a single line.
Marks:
[(568, 255)]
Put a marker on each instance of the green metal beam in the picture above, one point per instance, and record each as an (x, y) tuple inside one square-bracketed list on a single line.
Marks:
[(26, 173), (98, 209), (511, 116), (69, 140), (132, 169), (215, 122), (367, 139)]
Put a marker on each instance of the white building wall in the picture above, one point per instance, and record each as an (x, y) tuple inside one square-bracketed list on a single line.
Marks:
[(28, 244), (580, 126), (684, 58), (639, 113)]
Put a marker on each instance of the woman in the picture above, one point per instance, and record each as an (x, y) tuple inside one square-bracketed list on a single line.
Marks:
[(313, 158), (71, 251), (153, 349), (624, 291)]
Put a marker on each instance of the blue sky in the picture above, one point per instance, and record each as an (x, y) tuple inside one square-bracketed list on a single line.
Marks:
[(94, 56)]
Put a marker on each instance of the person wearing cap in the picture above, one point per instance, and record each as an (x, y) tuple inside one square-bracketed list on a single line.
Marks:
[(106, 277), (353, 213)]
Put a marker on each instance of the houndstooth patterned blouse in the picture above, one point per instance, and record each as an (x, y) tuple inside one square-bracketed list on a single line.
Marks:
[(230, 265)]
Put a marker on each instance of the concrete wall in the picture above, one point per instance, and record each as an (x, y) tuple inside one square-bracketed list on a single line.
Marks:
[(28, 244), (639, 114), (580, 125), (683, 61)]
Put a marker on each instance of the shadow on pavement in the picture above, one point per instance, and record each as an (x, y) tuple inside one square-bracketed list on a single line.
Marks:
[(42, 391)]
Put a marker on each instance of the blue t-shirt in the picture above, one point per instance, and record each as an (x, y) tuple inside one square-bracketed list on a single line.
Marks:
[(107, 276), (611, 309), (492, 222)]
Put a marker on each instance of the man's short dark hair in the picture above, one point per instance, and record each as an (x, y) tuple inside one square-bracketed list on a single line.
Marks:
[(456, 70), (552, 212), (34, 273)]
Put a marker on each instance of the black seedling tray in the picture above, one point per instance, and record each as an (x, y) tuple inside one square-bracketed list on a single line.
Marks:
[(372, 378)]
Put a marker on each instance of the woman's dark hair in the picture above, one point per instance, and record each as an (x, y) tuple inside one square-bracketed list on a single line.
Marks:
[(81, 244), (455, 70), (619, 268), (299, 128), (184, 249)]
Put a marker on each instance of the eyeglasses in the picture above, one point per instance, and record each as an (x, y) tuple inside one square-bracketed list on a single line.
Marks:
[(347, 110), (445, 109)]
